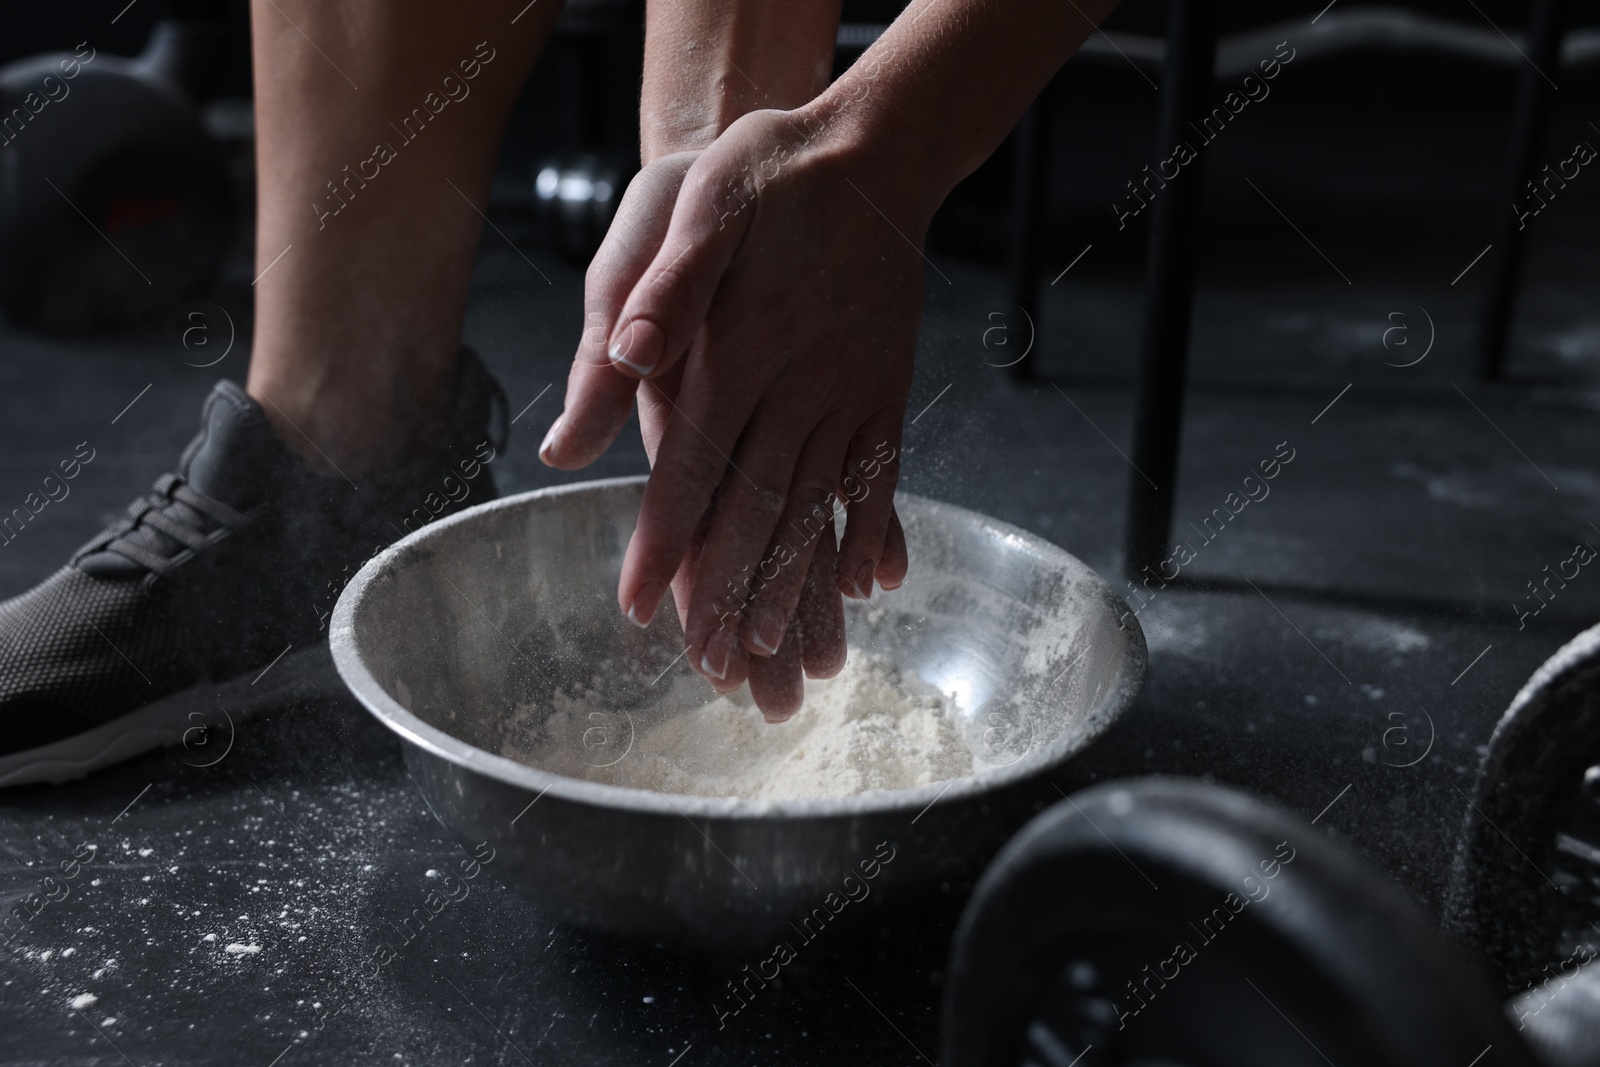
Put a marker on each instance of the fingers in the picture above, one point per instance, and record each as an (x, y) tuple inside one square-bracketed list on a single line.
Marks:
[(682, 589), (808, 514), (598, 398), (821, 612), (656, 400), (733, 564), (776, 682), (665, 309), (896, 562), (689, 465), (597, 407), (656, 406), (872, 469)]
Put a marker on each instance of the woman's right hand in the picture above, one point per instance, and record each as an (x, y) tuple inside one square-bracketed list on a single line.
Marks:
[(598, 399)]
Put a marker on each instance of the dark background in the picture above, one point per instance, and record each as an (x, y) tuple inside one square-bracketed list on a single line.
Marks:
[(1386, 560)]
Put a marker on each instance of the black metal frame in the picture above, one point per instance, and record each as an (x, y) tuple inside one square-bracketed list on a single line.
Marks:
[(1169, 289), (1030, 179), (1527, 136), (1163, 360)]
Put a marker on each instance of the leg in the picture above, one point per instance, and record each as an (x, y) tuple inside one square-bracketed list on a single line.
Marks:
[(235, 561), (358, 324)]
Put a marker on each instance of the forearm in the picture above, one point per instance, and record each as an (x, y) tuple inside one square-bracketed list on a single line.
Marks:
[(707, 62), (944, 85)]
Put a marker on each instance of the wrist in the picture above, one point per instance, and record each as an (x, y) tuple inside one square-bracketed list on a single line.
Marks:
[(900, 172), (659, 141), (707, 63)]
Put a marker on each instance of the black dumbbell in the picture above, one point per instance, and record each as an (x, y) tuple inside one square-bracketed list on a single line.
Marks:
[(578, 190), (578, 194), (1525, 884), (1164, 922), (115, 203)]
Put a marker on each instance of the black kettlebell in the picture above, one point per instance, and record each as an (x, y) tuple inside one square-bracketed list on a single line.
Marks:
[(114, 202)]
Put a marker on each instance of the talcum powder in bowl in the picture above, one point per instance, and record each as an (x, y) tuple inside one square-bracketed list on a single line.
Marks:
[(870, 728)]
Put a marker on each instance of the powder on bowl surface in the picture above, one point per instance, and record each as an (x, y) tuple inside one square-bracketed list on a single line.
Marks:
[(869, 728)]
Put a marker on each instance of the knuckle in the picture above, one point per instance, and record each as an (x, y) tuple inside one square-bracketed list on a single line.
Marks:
[(711, 185)]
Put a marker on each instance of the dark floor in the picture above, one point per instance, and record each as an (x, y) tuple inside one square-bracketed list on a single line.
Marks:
[(1373, 590)]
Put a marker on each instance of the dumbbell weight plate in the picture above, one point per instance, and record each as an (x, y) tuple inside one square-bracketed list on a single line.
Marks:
[(1136, 924), (578, 196), (115, 204), (1560, 1016), (1525, 884)]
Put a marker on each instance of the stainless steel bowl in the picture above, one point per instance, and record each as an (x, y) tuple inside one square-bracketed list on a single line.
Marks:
[(445, 635)]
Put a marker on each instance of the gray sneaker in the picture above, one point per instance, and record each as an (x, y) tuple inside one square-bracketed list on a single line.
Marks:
[(164, 622)]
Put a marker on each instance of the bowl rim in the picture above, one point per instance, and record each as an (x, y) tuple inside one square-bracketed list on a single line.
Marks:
[(412, 729)]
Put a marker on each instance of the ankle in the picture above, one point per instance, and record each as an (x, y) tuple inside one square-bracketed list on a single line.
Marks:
[(353, 428)]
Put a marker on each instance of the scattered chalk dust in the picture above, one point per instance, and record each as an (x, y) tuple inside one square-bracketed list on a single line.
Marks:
[(872, 727)]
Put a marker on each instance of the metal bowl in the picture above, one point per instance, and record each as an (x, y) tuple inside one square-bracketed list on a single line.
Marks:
[(448, 633)]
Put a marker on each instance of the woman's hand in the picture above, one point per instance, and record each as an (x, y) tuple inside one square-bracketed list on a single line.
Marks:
[(775, 326), (599, 399)]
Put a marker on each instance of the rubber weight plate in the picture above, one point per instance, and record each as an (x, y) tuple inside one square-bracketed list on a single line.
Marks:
[(1165, 922), (1525, 884), (1560, 1016)]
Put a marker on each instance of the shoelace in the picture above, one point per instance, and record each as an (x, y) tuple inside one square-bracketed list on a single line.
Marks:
[(171, 519)]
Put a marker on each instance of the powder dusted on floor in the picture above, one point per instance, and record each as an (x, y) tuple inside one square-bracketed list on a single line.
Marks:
[(869, 728)]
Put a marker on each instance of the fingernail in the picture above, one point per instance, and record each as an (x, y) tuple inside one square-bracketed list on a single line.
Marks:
[(767, 632), (549, 440), (719, 648), (645, 601), (637, 347), (864, 578)]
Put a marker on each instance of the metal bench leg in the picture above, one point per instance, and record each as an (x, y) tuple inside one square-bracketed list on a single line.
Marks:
[(1527, 135), (1169, 289), (1029, 189)]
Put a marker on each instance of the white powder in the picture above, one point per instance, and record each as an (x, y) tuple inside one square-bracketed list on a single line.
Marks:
[(871, 727)]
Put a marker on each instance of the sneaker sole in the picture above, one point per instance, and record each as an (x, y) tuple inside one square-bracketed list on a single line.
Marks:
[(301, 673)]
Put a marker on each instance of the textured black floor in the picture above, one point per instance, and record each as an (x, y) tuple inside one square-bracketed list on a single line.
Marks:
[(1319, 656)]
